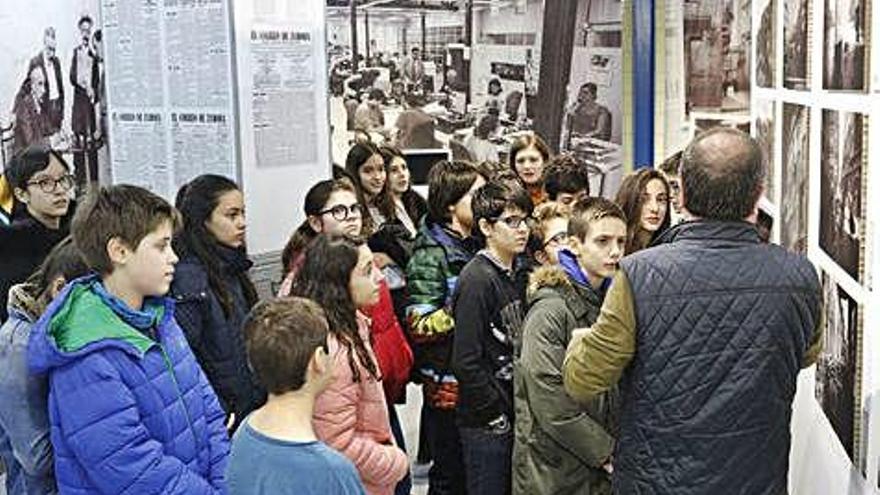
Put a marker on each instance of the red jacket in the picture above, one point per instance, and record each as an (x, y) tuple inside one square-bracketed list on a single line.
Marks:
[(390, 346)]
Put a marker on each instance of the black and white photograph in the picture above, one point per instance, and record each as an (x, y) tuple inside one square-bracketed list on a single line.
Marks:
[(765, 39), (845, 48), (839, 364), (795, 42), (795, 176), (52, 89), (717, 48), (444, 79), (841, 221), (764, 131)]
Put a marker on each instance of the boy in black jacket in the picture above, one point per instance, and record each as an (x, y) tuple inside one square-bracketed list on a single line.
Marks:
[(488, 312)]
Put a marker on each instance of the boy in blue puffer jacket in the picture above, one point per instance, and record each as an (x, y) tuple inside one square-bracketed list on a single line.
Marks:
[(130, 410)]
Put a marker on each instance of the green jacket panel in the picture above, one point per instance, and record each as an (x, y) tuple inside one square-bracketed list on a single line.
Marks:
[(560, 443)]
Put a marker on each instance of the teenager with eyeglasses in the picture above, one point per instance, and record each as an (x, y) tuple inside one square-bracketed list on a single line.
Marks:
[(488, 309), (43, 188)]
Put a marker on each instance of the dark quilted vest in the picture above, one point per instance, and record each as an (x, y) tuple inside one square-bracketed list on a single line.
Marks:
[(723, 323)]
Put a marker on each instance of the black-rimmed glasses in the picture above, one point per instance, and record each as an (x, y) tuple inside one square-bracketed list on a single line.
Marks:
[(514, 221), (341, 212), (49, 185)]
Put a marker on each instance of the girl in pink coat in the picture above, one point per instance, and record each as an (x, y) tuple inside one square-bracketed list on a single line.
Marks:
[(351, 415)]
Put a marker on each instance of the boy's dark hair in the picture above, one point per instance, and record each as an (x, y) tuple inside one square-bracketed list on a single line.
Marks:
[(587, 211), (281, 337), (565, 174), (123, 211), (492, 199), (28, 162), (448, 182)]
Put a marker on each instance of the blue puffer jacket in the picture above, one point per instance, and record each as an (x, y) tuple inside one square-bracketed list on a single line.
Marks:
[(129, 408)]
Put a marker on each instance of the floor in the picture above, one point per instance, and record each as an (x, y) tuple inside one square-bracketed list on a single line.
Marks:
[(409, 417)]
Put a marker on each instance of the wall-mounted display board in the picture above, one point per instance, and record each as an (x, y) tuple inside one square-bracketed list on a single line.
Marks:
[(471, 78), (170, 90), (814, 115)]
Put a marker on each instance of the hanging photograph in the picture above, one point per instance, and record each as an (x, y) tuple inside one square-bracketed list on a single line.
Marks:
[(841, 218), (764, 127), (52, 88), (845, 45), (458, 80), (765, 39), (795, 33), (717, 47), (839, 365), (795, 176)]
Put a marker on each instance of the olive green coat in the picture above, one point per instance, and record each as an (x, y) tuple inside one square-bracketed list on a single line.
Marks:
[(560, 444)]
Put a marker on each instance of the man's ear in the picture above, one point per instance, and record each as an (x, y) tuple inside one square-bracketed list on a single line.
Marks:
[(118, 251)]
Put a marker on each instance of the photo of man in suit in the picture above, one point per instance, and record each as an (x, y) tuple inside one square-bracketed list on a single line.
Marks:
[(84, 78), (50, 66)]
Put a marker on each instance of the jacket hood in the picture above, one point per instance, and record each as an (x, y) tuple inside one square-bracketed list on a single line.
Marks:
[(24, 301), (546, 277), (82, 320)]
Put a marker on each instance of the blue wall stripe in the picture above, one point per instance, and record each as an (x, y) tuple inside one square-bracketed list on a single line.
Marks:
[(643, 83)]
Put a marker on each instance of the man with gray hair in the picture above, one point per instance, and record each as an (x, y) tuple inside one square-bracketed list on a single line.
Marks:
[(705, 333)]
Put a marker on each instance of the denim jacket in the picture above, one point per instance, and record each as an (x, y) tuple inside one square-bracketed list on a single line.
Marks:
[(24, 426)]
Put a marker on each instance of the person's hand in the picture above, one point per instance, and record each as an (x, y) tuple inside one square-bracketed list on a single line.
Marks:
[(576, 335)]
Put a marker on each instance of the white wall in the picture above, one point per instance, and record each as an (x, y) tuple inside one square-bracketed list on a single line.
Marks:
[(274, 196), (507, 20)]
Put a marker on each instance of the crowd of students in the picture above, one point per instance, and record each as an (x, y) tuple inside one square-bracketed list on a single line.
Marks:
[(138, 347)]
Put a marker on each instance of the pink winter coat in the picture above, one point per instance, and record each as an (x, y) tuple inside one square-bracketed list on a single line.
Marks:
[(352, 418)]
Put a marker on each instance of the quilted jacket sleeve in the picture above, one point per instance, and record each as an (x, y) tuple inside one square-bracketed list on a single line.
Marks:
[(336, 422), (428, 311), (559, 416), (101, 424), (595, 360)]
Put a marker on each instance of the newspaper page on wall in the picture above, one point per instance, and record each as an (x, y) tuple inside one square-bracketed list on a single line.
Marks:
[(51, 83), (170, 90), (283, 94)]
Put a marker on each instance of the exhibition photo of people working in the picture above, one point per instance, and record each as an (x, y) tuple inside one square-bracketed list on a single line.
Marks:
[(439, 247)]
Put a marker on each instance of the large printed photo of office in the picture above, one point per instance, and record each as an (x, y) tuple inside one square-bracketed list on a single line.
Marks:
[(447, 79)]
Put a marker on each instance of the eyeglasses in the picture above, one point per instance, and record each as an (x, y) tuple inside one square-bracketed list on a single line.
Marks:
[(559, 238), (514, 221), (49, 185), (342, 212)]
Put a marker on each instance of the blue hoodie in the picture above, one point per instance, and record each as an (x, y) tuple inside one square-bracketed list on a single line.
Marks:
[(129, 408), (569, 262)]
